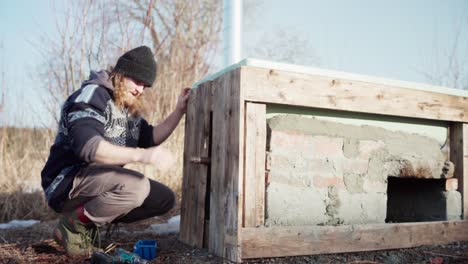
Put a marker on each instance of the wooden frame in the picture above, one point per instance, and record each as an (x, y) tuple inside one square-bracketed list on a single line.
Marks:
[(223, 199)]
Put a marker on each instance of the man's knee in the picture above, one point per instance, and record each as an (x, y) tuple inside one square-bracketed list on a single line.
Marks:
[(138, 189), (161, 198), (132, 187)]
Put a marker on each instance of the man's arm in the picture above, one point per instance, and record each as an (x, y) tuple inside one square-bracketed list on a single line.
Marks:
[(108, 153), (85, 118), (163, 130)]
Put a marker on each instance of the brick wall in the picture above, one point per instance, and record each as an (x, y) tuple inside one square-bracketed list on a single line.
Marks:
[(338, 175)]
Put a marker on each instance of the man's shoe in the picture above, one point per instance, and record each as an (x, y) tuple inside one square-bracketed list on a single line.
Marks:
[(76, 237)]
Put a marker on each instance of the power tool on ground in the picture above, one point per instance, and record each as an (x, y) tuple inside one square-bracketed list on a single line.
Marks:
[(120, 256)]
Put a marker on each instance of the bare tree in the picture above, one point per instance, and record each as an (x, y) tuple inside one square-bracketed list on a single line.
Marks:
[(286, 46), (92, 34), (83, 42), (184, 35), (3, 82), (449, 67), (279, 44)]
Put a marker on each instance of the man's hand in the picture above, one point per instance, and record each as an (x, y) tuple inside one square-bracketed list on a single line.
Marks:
[(158, 156), (183, 100)]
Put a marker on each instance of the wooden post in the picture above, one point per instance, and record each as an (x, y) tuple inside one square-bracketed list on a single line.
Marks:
[(226, 166), (254, 180), (196, 165), (459, 157)]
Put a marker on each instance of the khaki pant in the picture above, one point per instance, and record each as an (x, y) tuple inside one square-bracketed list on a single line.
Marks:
[(115, 194)]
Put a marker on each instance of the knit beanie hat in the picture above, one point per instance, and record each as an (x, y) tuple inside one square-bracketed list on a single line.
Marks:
[(138, 64)]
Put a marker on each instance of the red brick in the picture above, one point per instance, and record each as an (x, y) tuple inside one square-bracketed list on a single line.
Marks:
[(451, 184), (326, 147), (324, 182)]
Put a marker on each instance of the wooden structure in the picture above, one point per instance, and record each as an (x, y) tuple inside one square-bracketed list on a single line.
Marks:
[(223, 200)]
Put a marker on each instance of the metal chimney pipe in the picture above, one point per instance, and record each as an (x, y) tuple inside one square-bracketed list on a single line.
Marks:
[(232, 27)]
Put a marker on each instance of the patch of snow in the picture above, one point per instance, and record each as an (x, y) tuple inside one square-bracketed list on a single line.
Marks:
[(171, 227), (18, 224), (174, 220)]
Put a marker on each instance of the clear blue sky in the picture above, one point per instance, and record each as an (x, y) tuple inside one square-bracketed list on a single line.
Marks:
[(393, 39), (22, 23)]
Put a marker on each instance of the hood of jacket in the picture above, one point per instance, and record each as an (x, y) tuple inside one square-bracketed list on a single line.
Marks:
[(100, 78)]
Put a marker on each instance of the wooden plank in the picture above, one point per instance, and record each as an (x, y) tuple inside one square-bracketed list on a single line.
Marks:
[(216, 225), (203, 137), (465, 141), (187, 206), (206, 154), (463, 187), (299, 89), (238, 174), (195, 173), (225, 173), (234, 174), (254, 164), (459, 157), (307, 240)]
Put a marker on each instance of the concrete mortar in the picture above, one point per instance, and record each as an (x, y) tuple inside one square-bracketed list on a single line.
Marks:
[(292, 209), (307, 188), (397, 142), (351, 148), (453, 205), (354, 182)]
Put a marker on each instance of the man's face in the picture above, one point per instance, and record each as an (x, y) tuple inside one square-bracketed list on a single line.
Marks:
[(133, 90)]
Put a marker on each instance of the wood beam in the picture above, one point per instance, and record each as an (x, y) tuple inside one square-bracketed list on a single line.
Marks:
[(307, 240), (459, 157), (299, 89)]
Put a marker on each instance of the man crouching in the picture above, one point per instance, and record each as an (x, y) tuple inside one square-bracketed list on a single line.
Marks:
[(100, 131)]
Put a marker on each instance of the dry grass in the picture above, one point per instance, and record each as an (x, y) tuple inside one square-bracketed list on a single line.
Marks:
[(23, 155), (184, 49)]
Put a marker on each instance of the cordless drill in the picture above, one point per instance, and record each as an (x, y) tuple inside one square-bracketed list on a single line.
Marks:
[(120, 256)]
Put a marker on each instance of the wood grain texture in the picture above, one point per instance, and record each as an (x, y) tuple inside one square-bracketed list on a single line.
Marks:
[(459, 157), (281, 87), (195, 174), (254, 164), (225, 166), (307, 240)]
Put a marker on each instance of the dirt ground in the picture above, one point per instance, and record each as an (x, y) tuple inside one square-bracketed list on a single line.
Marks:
[(34, 245)]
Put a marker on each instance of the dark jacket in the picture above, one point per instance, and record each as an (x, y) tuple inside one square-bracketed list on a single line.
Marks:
[(88, 116)]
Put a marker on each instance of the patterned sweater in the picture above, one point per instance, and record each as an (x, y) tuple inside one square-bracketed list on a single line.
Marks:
[(88, 116)]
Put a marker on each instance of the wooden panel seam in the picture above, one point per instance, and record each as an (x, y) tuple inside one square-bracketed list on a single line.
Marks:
[(458, 148)]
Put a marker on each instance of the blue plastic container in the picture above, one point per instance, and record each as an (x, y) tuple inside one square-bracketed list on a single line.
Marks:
[(145, 249)]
